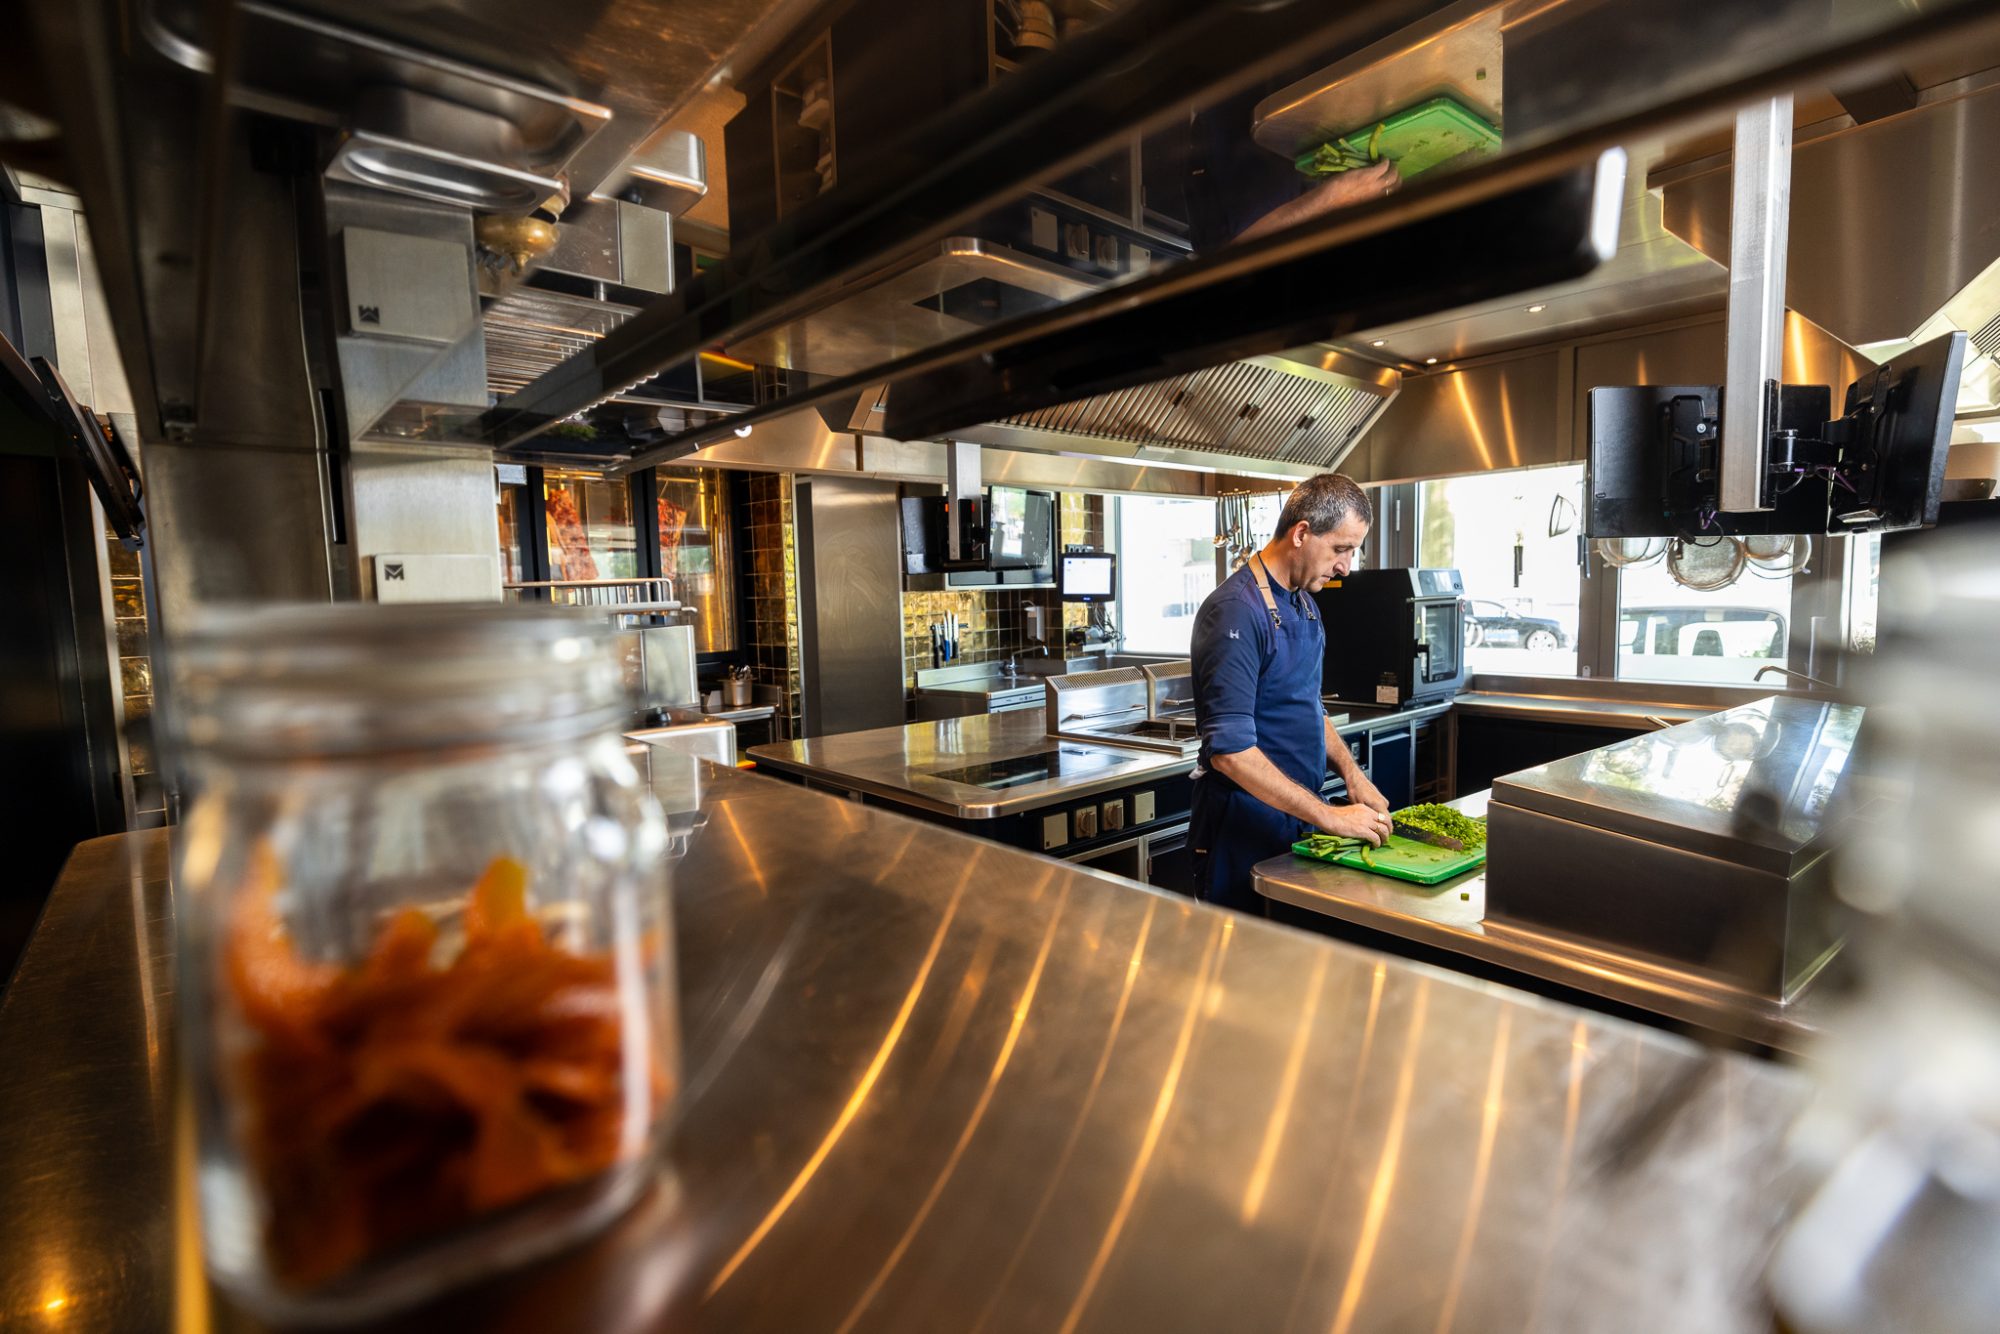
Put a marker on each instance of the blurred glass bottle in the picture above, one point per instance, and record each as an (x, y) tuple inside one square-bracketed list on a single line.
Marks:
[(426, 949)]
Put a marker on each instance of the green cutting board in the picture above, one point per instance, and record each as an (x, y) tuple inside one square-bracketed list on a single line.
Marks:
[(1419, 137), (1405, 859)]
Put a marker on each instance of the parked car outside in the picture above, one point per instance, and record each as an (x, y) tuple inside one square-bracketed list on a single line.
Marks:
[(1719, 645), (1712, 632), (1488, 623)]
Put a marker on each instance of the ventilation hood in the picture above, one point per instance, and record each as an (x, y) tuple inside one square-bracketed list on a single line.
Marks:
[(1292, 414), (1287, 415), (1306, 409), (1895, 235)]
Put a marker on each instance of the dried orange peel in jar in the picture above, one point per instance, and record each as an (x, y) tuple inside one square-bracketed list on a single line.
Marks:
[(392, 1099)]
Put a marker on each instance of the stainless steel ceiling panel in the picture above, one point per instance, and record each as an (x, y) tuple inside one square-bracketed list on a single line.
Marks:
[(889, 314), (1454, 53), (630, 65), (1890, 220)]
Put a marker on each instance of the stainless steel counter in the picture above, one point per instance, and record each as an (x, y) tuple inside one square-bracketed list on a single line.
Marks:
[(932, 1084), (900, 763), (86, 1100), (1640, 716), (741, 713), (1452, 916), (903, 764)]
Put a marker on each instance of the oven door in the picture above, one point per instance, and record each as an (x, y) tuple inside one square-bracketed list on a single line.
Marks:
[(1440, 648)]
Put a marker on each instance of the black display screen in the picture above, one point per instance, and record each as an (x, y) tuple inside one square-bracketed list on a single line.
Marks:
[(1063, 762)]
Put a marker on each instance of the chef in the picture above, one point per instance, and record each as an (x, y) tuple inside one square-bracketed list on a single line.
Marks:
[(1265, 737)]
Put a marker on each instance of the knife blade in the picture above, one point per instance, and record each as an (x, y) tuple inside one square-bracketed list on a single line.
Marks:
[(1417, 835)]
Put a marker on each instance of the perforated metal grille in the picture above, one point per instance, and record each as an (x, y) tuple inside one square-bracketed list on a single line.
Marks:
[(528, 331), (1241, 408)]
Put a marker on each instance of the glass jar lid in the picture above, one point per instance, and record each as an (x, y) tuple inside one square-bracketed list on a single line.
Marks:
[(309, 679)]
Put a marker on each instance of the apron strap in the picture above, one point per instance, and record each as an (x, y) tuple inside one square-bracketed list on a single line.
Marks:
[(1263, 578)]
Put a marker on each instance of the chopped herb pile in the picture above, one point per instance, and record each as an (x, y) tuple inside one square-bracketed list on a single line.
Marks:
[(1335, 158), (1439, 819)]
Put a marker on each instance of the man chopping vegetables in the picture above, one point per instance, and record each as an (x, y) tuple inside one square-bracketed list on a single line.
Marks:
[(1265, 736)]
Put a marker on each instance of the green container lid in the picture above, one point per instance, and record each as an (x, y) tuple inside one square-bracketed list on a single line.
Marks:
[(1415, 139)]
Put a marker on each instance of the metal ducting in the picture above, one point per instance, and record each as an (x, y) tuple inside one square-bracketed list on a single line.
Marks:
[(1895, 235)]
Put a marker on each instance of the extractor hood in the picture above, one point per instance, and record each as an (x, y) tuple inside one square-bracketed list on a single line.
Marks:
[(1286, 415), (1895, 235), (1301, 410)]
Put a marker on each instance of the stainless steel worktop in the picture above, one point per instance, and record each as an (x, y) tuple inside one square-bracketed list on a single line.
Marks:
[(985, 678), (1697, 785), (741, 713), (903, 764), (933, 1084), (1639, 716), (1452, 916), (86, 1100)]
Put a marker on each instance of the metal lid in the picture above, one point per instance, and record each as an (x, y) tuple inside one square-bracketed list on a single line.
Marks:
[(1753, 785), (276, 681)]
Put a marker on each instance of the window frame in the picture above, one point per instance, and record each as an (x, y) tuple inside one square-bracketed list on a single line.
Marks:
[(1114, 542), (1818, 615)]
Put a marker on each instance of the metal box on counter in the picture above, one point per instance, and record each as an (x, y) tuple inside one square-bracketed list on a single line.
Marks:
[(1703, 846)]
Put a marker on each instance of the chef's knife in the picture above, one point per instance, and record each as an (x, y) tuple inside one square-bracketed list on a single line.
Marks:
[(1417, 835)]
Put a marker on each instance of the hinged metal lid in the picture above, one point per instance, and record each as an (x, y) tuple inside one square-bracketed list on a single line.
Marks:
[(1752, 785)]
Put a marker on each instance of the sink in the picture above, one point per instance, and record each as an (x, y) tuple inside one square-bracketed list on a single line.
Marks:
[(1088, 662)]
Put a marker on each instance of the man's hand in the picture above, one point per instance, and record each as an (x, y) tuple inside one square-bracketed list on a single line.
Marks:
[(1363, 793), (1355, 822), (1351, 187), (1330, 195)]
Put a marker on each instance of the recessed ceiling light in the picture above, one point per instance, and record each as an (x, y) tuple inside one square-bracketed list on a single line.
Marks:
[(1430, 361), (1536, 310), (1378, 342)]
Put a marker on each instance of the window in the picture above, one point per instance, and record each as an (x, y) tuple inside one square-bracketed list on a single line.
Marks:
[(590, 526), (1863, 585), (1512, 536), (697, 552), (1265, 510), (1667, 632), (510, 534), (1166, 567)]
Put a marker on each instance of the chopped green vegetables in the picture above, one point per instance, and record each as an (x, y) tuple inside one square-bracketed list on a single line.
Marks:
[(1332, 845), (1332, 159), (1439, 819), (1329, 846)]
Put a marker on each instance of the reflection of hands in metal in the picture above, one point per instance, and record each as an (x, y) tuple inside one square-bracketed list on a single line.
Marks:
[(1335, 193), (1352, 187)]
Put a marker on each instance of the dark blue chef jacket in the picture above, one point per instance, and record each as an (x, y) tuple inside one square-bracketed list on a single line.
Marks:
[(1255, 684)]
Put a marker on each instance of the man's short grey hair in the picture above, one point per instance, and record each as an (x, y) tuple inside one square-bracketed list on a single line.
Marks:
[(1323, 504)]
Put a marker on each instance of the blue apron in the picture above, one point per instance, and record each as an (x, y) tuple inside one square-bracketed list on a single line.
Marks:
[(1230, 831)]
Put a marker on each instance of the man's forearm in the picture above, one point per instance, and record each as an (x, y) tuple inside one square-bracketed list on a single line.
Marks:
[(1253, 771), (1341, 757)]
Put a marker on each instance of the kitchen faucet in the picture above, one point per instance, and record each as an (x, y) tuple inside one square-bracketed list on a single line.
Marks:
[(1810, 680)]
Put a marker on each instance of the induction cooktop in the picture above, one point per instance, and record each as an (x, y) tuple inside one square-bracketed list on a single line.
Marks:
[(1015, 771)]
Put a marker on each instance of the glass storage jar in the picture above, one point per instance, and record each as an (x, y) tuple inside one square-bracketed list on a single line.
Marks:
[(426, 947)]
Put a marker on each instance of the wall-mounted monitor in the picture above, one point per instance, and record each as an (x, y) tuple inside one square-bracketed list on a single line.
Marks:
[(1087, 576), (1653, 469), (1892, 436), (1020, 527)]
